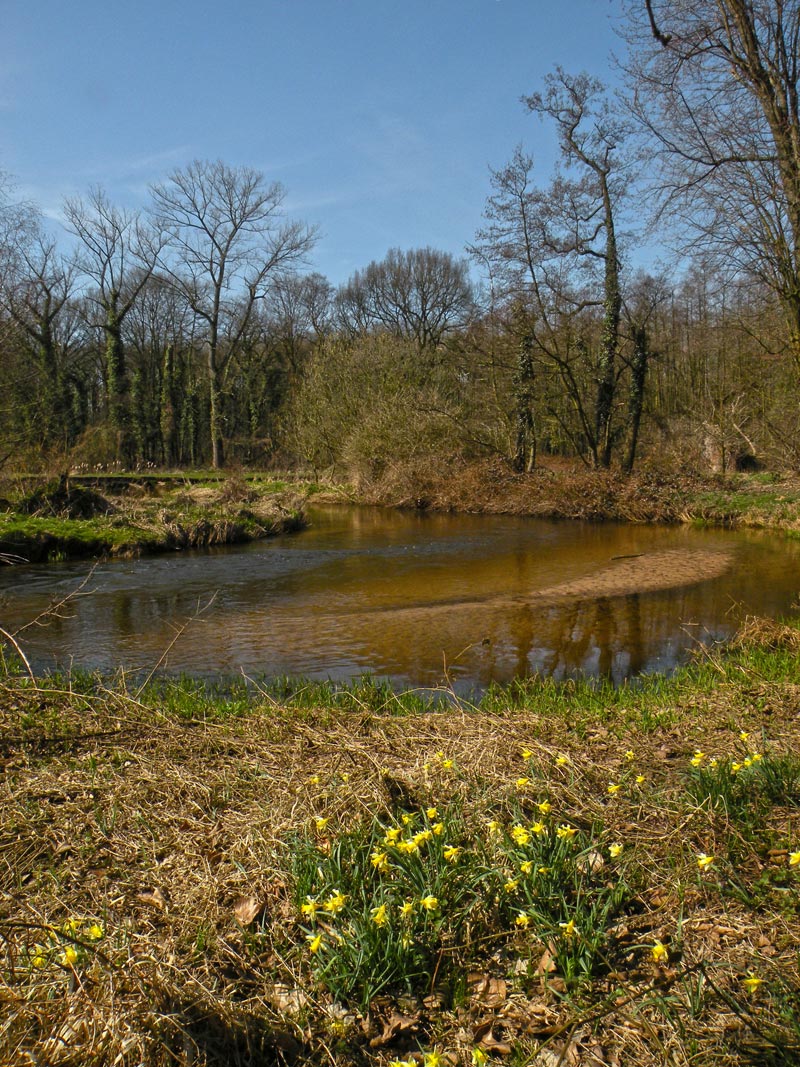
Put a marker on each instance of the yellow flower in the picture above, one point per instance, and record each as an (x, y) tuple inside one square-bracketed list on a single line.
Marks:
[(539, 828), (432, 1059), (614, 850), (639, 779), (630, 755), (439, 756), (704, 861), (69, 957), (748, 761), (544, 870), (526, 753), (526, 867), (407, 819), (566, 833), (479, 1058), (392, 835), (751, 982), (320, 823), (451, 853), (335, 902), (522, 919), (429, 903), (659, 952), (345, 777), (697, 758), (309, 908), (94, 932), (314, 943), (545, 807), (520, 835), (380, 861), (744, 735), (511, 885), (379, 916), (447, 764), (402, 1063), (408, 846), (438, 828), (561, 761), (432, 812), (713, 763), (523, 783), (39, 961), (314, 779), (493, 826), (612, 789), (70, 927), (757, 756), (794, 859), (423, 837), (569, 928), (735, 768), (406, 908)]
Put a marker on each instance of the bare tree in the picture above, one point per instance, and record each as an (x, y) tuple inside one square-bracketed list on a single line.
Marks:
[(228, 243), (715, 85), (118, 256), (420, 295)]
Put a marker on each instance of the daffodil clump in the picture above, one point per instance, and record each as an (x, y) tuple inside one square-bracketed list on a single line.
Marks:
[(67, 945)]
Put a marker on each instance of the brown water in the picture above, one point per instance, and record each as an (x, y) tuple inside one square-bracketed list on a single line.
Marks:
[(419, 599)]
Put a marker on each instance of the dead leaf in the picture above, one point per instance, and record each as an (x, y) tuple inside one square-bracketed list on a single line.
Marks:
[(486, 990), (489, 1043), (247, 908), (591, 862), (154, 897), (547, 963), (394, 1027)]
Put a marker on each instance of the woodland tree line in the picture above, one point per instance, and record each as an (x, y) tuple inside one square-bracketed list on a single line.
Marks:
[(192, 332)]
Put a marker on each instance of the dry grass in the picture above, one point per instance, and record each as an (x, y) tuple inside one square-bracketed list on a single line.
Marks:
[(170, 831)]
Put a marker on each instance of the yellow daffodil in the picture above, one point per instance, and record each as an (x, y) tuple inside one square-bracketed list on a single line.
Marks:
[(493, 826), (335, 902), (432, 1059), (630, 755), (697, 758), (659, 952), (520, 834), (447, 764), (432, 812), (569, 928), (544, 870), (320, 823), (407, 819), (545, 807), (794, 859), (310, 908), (566, 833), (423, 837), (406, 908), (526, 867), (379, 916), (613, 788), (757, 756), (511, 884), (451, 853), (526, 753), (561, 761), (94, 932), (614, 850), (438, 828), (69, 957), (539, 829), (429, 903), (406, 941), (439, 756), (345, 777), (704, 861), (403, 1063), (409, 846), (713, 763), (71, 927), (393, 835), (522, 920), (735, 768), (640, 779), (39, 961), (314, 779), (751, 982), (523, 783), (314, 943), (744, 735), (380, 861), (748, 761)]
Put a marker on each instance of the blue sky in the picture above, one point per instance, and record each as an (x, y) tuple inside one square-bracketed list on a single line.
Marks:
[(380, 117)]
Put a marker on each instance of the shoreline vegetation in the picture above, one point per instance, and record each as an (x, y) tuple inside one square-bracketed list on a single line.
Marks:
[(123, 514), (564, 874)]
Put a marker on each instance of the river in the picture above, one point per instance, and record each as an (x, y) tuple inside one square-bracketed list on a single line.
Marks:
[(420, 599)]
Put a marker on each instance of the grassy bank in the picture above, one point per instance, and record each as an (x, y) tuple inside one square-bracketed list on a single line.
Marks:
[(567, 874), (115, 516), (561, 491)]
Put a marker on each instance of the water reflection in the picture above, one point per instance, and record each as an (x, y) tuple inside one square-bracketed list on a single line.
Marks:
[(420, 599)]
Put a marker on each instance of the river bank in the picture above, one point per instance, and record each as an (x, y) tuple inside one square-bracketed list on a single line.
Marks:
[(565, 873)]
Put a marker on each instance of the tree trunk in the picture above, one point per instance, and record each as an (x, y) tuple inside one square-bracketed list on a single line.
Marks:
[(524, 458), (641, 355)]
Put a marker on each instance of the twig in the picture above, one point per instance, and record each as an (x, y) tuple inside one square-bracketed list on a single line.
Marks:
[(179, 633)]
